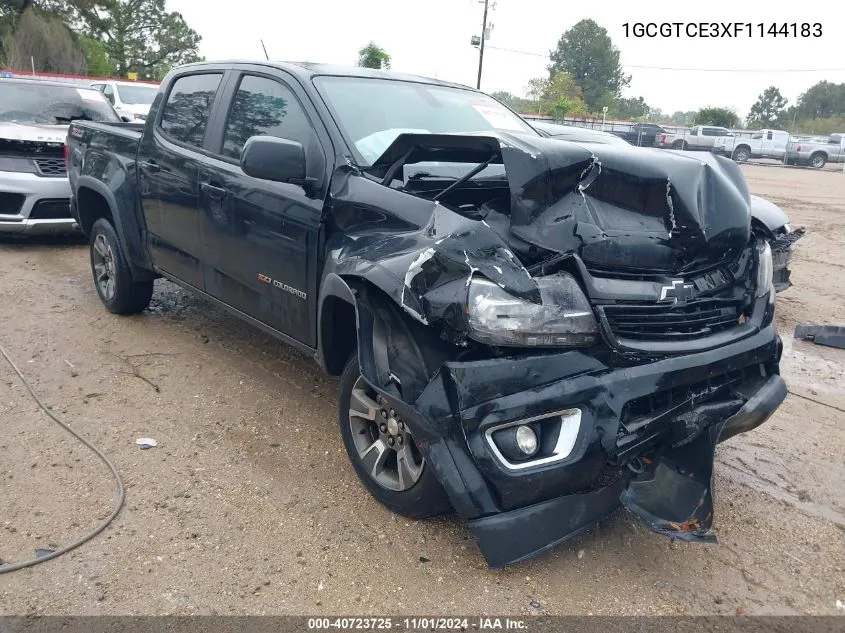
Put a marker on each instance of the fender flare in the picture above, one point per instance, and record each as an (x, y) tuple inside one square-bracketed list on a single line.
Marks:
[(333, 286), (133, 248)]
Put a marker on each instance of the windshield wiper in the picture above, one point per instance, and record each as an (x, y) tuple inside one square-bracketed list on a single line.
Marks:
[(472, 172), (71, 119)]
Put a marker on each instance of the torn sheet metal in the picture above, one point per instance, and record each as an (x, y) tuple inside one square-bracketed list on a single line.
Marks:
[(535, 199)]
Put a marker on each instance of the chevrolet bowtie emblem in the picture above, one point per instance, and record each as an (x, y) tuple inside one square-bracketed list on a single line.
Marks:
[(678, 292)]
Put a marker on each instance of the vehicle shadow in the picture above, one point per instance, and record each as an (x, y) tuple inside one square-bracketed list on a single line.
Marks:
[(37, 242)]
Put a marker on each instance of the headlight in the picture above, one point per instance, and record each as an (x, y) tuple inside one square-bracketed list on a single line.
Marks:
[(764, 268), (563, 318)]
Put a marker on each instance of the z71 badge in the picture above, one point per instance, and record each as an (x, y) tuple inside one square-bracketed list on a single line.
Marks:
[(281, 286)]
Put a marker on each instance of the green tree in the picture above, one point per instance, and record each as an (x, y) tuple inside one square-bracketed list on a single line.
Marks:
[(139, 36), (683, 118), (824, 99), (587, 53), (43, 41), (769, 108), (373, 56), (99, 64), (562, 97), (510, 100), (721, 117), (632, 108)]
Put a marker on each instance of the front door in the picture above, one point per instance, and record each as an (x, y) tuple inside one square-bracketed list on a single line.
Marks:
[(168, 172), (260, 237)]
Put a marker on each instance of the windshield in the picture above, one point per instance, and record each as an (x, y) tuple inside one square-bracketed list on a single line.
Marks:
[(52, 105), (137, 95), (373, 112)]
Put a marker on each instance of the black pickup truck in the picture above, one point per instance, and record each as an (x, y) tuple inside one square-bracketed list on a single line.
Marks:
[(528, 331)]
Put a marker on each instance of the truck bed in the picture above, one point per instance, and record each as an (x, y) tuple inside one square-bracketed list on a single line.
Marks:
[(127, 130)]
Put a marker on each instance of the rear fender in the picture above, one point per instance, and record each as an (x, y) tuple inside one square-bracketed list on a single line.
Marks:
[(128, 230)]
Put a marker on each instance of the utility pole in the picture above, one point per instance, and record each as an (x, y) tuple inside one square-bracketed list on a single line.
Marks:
[(481, 47)]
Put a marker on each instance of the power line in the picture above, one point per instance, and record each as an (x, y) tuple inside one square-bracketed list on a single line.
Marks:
[(699, 70)]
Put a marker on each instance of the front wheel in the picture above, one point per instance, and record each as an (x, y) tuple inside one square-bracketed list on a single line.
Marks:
[(112, 277), (679, 145), (381, 447)]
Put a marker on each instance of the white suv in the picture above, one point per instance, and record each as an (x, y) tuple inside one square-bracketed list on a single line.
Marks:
[(34, 119), (131, 99)]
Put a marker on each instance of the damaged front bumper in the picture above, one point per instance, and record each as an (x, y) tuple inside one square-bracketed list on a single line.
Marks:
[(646, 439), (782, 249)]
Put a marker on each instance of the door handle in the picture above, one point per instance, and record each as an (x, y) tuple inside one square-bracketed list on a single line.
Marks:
[(151, 166), (213, 192)]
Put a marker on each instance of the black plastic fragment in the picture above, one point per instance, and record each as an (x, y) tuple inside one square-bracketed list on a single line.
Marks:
[(829, 335)]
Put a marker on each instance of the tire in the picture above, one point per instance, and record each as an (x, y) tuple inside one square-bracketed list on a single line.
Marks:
[(417, 494), (112, 276), (818, 160), (680, 145), (741, 154)]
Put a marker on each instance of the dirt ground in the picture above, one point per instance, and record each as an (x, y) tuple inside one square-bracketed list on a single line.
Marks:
[(248, 504)]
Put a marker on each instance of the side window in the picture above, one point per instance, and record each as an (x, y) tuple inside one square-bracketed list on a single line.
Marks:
[(185, 114), (710, 131), (264, 106), (108, 91), (769, 136)]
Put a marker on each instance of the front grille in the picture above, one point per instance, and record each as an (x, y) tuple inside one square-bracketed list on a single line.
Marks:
[(11, 203), (54, 167), (668, 322), (58, 209)]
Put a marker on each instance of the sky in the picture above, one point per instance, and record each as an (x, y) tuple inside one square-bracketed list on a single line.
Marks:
[(432, 38)]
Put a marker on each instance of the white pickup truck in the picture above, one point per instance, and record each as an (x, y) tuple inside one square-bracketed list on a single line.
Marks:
[(816, 152), (702, 137), (764, 143)]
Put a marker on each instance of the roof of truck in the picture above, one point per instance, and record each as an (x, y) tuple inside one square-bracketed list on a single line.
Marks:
[(307, 70)]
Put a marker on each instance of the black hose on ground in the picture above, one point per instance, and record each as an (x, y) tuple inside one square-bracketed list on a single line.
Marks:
[(121, 490)]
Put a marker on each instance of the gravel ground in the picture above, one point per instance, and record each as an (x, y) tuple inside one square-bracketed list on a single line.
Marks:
[(249, 506)]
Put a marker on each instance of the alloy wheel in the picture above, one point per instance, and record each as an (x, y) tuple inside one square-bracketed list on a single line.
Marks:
[(104, 267), (383, 441)]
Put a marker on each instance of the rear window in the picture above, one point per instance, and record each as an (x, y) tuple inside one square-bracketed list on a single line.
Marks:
[(188, 107), (137, 95), (30, 102)]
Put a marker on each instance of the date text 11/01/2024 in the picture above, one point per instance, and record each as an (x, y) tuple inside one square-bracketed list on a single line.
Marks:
[(418, 623), (722, 29)]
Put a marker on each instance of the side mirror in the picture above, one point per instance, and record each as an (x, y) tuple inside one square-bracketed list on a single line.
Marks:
[(276, 159)]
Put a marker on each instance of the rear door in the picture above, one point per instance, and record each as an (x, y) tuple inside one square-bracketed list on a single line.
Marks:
[(168, 167), (260, 237), (709, 136)]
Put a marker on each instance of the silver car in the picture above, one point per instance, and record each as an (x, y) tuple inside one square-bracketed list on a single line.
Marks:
[(34, 119)]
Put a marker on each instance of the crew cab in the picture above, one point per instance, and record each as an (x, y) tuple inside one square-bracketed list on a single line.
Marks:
[(641, 134), (702, 137), (528, 331), (764, 143), (816, 152)]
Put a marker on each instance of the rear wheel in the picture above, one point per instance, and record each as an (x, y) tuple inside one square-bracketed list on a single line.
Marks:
[(679, 145), (381, 447), (818, 160), (112, 277), (741, 154)]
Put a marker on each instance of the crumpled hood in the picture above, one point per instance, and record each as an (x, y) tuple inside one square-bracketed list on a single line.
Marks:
[(624, 206), (33, 132), (614, 206)]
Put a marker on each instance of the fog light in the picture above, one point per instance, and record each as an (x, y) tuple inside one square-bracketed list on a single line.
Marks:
[(526, 440)]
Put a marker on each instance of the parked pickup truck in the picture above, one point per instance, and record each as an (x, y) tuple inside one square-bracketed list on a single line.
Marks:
[(762, 144), (641, 134), (527, 331), (702, 137), (816, 152)]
